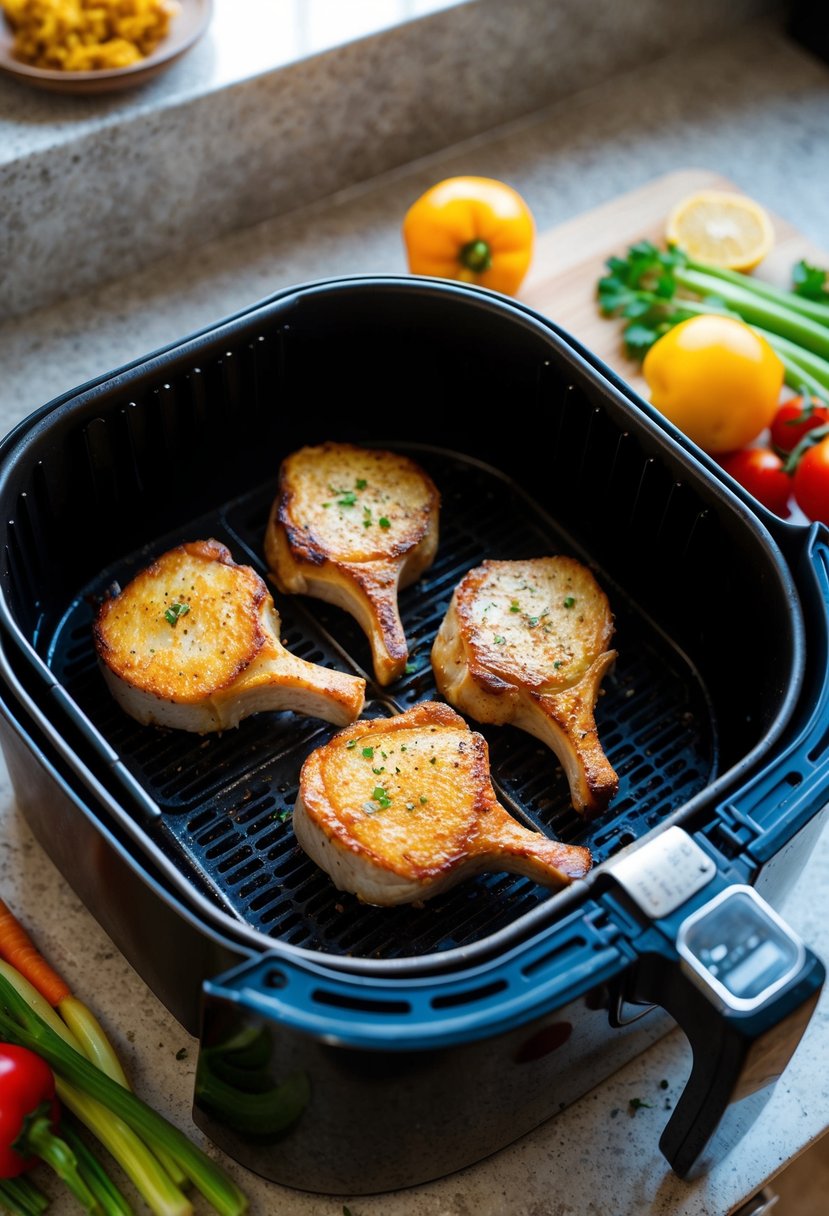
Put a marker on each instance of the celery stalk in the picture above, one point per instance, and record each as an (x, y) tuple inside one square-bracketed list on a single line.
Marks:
[(758, 311), (787, 299), (91, 1040)]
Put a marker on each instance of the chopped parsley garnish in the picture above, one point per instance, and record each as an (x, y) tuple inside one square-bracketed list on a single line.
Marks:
[(411, 668), (384, 521), (368, 752), (569, 601), (283, 815), (532, 621), (361, 483), (378, 771), (403, 747), (380, 796), (367, 517), (175, 611), (423, 799), (348, 499), (515, 606), (558, 663), (636, 1104), (351, 743), (499, 639)]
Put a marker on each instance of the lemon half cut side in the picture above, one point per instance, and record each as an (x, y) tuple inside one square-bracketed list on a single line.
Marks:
[(722, 228)]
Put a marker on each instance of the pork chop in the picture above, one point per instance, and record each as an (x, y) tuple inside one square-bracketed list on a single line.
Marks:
[(527, 643), (397, 810), (352, 525), (193, 642)]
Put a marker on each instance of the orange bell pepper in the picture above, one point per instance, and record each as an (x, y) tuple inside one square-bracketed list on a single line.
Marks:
[(474, 229)]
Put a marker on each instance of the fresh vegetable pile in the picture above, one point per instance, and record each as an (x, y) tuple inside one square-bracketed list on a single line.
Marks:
[(717, 347), (54, 1054)]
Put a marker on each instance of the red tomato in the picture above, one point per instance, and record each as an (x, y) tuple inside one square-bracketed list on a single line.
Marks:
[(760, 471), (811, 482), (795, 418)]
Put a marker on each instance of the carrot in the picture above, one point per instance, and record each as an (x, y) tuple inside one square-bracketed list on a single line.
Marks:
[(18, 949)]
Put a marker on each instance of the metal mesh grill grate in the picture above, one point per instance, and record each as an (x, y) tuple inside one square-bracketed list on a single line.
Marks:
[(226, 799)]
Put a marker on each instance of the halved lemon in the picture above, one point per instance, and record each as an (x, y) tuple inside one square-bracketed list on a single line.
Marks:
[(721, 228)]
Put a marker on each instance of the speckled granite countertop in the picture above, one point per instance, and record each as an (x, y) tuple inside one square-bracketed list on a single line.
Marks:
[(753, 107)]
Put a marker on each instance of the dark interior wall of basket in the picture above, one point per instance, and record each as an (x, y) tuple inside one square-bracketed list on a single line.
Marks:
[(190, 447)]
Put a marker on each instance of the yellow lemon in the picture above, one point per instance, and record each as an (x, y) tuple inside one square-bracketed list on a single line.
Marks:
[(715, 379), (721, 228)]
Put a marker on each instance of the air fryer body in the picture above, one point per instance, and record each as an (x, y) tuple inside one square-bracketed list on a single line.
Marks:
[(397, 1045)]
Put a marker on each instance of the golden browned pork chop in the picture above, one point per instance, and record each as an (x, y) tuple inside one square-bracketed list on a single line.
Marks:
[(352, 525), (526, 642), (193, 642), (397, 810)]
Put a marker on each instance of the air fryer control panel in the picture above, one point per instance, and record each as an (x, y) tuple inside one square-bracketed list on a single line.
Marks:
[(738, 950)]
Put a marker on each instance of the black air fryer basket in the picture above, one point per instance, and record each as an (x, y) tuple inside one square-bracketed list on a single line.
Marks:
[(483, 1012)]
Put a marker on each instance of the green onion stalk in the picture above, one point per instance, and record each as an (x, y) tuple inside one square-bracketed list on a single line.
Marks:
[(75, 1075), (22, 1197), (94, 1175)]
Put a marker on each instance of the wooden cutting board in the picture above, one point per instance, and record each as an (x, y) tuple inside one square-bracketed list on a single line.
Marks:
[(569, 260)]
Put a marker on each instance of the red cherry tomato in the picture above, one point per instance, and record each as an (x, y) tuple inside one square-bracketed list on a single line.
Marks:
[(795, 418), (760, 471), (811, 482)]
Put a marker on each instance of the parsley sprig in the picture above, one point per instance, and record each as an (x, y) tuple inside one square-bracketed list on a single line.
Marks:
[(175, 612)]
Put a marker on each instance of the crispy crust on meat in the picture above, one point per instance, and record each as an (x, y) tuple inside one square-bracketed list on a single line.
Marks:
[(352, 525), (400, 809), (526, 643), (193, 642)]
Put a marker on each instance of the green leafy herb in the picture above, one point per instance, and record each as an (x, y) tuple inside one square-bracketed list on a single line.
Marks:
[(558, 663), (378, 771), (499, 639), (181, 1054), (384, 521), (380, 796), (368, 752), (811, 282), (411, 668), (175, 612), (515, 606), (351, 743), (569, 601), (423, 799), (284, 815), (532, 621), (636, 1104), (348, 499), (367, 517), (361, 483)]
